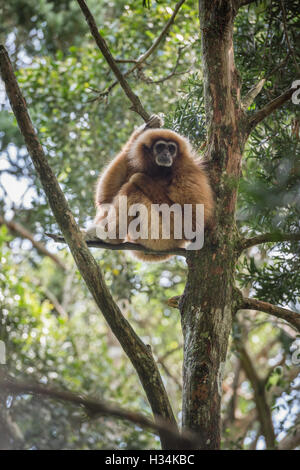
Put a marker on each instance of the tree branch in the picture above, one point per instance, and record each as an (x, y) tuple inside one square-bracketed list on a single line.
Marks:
[(256, 89), (15, 227), (142, 59), (139, 353), (252, 94), (267, 238), (258, 386), (261, 114), (95, 408), (173, 73), (101, 43), (247, 303), (121, 246)]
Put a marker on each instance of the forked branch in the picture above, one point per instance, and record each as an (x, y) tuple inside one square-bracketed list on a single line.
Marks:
[(142, 58), (252, 94), (261, 114), (101, 43)]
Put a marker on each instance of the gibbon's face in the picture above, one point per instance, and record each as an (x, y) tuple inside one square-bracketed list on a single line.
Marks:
[(164, 152)]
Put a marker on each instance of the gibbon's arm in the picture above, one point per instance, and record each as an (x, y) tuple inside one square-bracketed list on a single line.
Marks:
[(116, 174), (154, 190), (193, 187)]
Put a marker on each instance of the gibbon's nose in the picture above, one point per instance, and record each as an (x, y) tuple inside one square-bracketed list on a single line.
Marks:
[(164, 159)]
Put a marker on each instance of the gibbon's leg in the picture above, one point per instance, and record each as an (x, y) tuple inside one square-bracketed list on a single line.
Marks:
[(136, 196), (194, 188)]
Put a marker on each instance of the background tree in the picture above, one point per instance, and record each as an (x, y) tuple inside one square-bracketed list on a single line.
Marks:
[(49, 321)]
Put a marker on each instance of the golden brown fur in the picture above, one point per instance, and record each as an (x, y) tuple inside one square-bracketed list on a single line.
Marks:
[(134, 173)]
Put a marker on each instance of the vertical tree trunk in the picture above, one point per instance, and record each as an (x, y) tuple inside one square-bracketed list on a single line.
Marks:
[(208, 301)]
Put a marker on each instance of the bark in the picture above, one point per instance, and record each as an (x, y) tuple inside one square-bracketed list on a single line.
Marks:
[(209, 301)]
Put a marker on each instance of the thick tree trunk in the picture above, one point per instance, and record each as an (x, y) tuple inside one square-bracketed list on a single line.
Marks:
[(208, 301)]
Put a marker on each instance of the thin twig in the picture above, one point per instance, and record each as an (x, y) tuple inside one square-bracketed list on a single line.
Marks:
[(173, 73), (142, 58), (101, 43)]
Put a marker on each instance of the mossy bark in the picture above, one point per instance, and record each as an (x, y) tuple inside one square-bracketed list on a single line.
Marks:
[(209, 301)]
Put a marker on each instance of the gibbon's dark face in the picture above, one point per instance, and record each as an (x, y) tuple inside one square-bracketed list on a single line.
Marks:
[(164, 152)]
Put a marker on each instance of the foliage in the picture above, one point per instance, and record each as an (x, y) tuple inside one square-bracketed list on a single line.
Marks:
[(61, 73)]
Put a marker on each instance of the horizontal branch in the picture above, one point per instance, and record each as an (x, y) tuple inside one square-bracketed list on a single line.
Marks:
[(261, 114), (121, 246), (267, 238), (247, 303), (17, 228), (101, 43), (137, 351), (95, 408)]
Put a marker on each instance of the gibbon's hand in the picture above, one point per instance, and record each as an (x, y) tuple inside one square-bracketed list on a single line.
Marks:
[(152, 189), (154, 122), (140, 180)]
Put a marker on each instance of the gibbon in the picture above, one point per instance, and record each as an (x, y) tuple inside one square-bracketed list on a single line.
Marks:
[(155, 166)]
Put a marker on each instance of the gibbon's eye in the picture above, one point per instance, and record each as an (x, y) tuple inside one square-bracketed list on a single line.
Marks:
[(160, 147), (172, 147)]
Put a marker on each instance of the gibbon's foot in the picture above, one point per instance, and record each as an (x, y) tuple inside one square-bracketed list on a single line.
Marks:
[(88, 235), (97, 232), (94, 232), (154, 122), (140, 179)]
